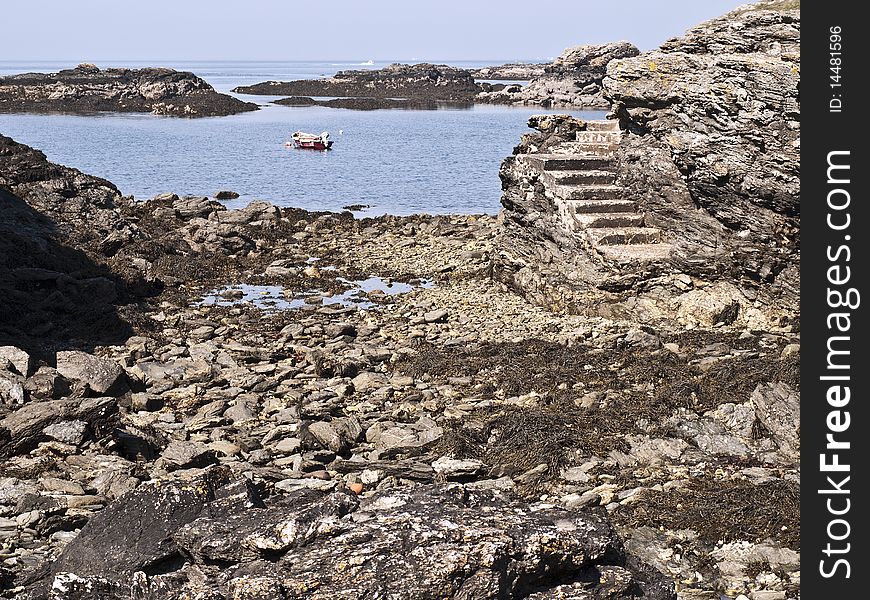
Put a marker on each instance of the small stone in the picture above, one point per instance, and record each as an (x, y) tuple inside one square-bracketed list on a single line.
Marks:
[(454, 468), (435, 316), (101, 375), (356, 488), (18, 359), (183, 455), (142, 401), (289, 445), (791, 350), (367, 381), (200, 334), (327, 436), (371, 476), (12, 391), (68, 432), (63, 486), (226, 195)]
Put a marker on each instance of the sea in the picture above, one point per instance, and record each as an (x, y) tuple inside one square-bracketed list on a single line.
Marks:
[(392, 161)]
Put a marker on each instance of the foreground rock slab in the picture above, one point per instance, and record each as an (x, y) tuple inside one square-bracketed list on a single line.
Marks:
[(209, 537)]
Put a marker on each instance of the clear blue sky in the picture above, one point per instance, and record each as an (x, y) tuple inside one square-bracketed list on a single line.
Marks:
[(94, 30)]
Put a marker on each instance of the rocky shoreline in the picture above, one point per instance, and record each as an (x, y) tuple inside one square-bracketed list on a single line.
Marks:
[(267, 402), (87, 89), (452, 405), (574, 79)]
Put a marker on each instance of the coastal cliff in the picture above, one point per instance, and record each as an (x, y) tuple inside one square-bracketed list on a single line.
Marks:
[(87, 89), (706, 154)]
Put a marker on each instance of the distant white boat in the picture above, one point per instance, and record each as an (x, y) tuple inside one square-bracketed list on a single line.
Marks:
[(368, 63)]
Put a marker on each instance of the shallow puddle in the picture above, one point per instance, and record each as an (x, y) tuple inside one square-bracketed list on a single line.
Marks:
[(277, 297)]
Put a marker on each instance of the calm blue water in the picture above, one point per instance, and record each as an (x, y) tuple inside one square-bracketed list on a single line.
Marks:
[(397, 161)]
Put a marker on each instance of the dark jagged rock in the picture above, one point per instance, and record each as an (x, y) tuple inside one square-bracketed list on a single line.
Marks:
[(573, 79), (456, 543), (88, 89), (50, 289), (417, 82)]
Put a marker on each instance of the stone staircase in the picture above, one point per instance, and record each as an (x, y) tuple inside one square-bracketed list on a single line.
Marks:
[(580, 177)]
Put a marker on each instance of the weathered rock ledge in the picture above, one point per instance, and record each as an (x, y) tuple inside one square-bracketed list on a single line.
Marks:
[(88, 89), (511, 71)]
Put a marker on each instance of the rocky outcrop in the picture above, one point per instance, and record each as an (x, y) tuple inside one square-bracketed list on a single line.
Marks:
[(51, 289), (707, 154), (88, 89), (715, 124), (178, 539), (572, 80), (416, 82)]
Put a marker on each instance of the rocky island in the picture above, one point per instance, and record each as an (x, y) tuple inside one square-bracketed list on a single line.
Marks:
[(419, 82), (87, 89), (594, 395)]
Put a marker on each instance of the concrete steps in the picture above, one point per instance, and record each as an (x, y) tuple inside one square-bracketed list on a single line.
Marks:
[(611, 236), (568, 162), (606, 220), (636, 253), (580, 207), (579, 177), (599, 137), (605, 125), (588, 192), (587, 148)]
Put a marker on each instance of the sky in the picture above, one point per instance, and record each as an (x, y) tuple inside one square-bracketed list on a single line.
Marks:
[(380, 30)]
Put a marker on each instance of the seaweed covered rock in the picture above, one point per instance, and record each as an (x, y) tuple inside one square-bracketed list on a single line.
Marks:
[(210, 537), (422, 81)]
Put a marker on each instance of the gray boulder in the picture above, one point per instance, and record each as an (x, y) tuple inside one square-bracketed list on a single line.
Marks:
[(18, 359), (101, 375)]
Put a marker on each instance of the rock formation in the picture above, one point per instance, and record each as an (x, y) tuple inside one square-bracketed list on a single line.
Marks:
[(707, 155), (88, 89), (572, 80), (423, 81)]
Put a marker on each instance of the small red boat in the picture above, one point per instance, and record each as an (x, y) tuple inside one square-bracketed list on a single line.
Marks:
[(311, 141)]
